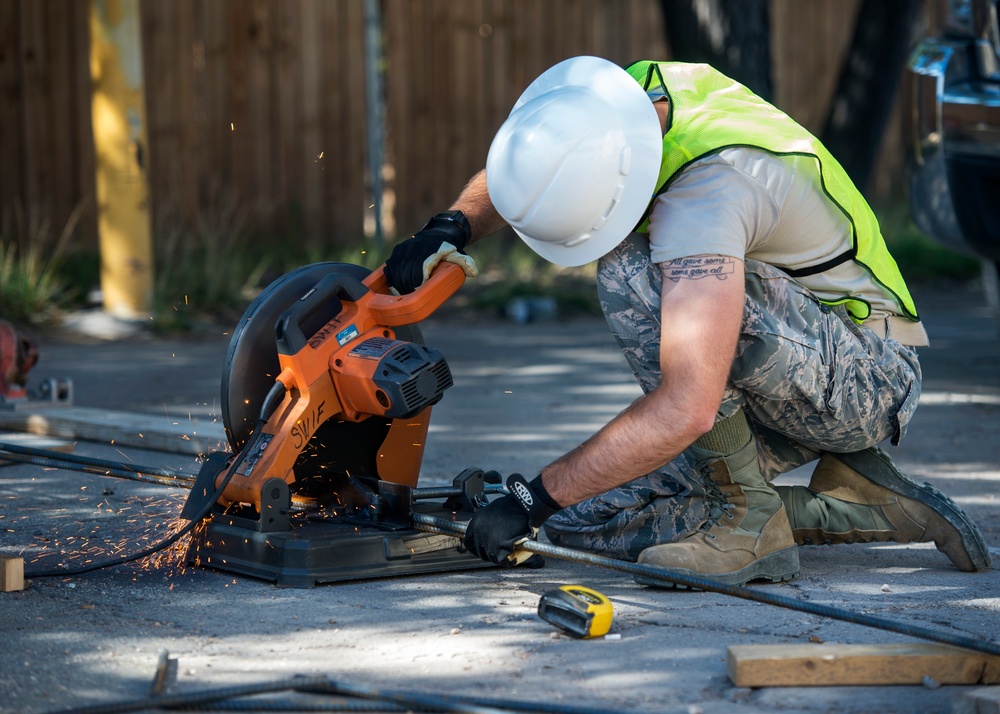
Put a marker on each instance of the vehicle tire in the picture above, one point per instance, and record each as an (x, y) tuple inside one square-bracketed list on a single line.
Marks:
[(991, 286)]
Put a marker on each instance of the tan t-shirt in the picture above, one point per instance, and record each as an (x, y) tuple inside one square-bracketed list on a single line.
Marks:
[(747, 203)]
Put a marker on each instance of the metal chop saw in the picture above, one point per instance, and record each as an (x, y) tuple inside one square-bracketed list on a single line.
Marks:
[(326, 399)]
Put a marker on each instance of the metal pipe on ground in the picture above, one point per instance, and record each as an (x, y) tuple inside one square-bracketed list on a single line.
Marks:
[(156, 475), (101, 467)]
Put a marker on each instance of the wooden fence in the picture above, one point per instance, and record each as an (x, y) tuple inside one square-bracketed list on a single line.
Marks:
[(256, 108)]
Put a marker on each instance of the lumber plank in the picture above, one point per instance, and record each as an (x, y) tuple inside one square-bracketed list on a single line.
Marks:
[(838, 664), (147, 431), (11, 573)]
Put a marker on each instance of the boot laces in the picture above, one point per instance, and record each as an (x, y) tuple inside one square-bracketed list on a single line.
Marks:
[(717, 505)]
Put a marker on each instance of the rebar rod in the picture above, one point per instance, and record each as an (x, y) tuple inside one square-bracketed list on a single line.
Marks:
[(101, 467)]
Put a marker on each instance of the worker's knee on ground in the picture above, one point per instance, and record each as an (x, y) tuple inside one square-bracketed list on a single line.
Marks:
[(616, 525)]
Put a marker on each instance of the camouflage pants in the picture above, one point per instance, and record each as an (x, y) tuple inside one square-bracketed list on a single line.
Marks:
[(809, 379)]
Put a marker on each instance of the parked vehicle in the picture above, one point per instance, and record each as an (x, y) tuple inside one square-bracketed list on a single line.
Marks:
[(952, 131)]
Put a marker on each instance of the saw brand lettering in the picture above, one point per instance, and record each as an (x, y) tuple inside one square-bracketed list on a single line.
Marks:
[(523, 494), (304, 427), (317, 339)]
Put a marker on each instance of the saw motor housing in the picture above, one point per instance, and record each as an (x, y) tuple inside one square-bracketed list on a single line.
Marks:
[(389, 377)]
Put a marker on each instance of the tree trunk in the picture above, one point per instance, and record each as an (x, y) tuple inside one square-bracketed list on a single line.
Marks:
[(734, 36), (868, 84)]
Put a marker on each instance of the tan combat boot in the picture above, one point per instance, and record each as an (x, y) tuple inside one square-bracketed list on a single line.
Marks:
[(746, 535), (862, 497)]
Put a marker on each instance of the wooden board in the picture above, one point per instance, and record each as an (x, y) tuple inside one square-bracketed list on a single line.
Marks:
[(148, 431), (836, 664), (11, 573)]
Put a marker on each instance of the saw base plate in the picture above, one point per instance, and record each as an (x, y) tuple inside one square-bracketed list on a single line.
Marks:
[(312, 553)]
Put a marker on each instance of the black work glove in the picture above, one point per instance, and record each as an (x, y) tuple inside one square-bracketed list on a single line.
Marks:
[(443, 238), (494, 531)]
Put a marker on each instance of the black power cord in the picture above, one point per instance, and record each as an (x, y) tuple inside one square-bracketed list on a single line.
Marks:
[(358, 698), (271, 402)]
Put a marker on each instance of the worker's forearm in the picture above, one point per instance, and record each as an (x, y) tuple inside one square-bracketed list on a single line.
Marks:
[(474, 202), (650, 433)]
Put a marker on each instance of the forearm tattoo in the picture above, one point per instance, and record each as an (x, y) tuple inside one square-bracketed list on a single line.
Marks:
[(696, 267)]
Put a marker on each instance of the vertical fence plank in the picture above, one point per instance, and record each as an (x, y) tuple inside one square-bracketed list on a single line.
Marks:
[(809, 41), (315, 155), (332, 95), (398, 86), (165, 152), (63, 189), (258, 138), (80, 124), (38, 155), (349, 225), (240, 181), (11, 116), (188, 58), (289, 155), (215, 170)]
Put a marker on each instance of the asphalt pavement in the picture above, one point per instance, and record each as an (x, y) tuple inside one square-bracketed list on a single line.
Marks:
[(523, 395)]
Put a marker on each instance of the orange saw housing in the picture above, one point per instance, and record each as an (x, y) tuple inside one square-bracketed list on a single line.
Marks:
[(349, 369)]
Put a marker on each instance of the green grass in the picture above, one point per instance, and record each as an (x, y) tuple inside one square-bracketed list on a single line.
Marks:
[(33, 290), (30, 290), (920, 258)]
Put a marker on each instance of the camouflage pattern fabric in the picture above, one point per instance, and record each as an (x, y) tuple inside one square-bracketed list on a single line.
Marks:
[(809, 378)]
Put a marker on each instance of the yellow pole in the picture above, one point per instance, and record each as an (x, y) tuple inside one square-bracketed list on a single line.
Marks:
[(119, 116)]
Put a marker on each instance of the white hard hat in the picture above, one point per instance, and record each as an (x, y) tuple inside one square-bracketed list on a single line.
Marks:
[(575, 165)]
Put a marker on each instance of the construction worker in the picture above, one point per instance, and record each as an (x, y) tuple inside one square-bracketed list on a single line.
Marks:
[(748, 285)]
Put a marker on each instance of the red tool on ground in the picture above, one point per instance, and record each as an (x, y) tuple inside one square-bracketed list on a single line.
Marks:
[(327, 393), (18, 354)]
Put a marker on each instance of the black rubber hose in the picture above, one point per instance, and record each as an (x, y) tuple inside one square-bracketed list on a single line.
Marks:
[(441, 525), (341, 704), (312, 684)]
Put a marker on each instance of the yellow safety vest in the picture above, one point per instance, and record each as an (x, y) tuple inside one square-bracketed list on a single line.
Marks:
[(710, 112)]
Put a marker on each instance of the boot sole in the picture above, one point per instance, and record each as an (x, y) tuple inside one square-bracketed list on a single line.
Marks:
[(776, 567), (876, 466)]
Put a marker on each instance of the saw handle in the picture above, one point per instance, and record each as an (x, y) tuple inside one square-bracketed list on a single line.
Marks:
[(396, 310), (324, 301), (314, 309)]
